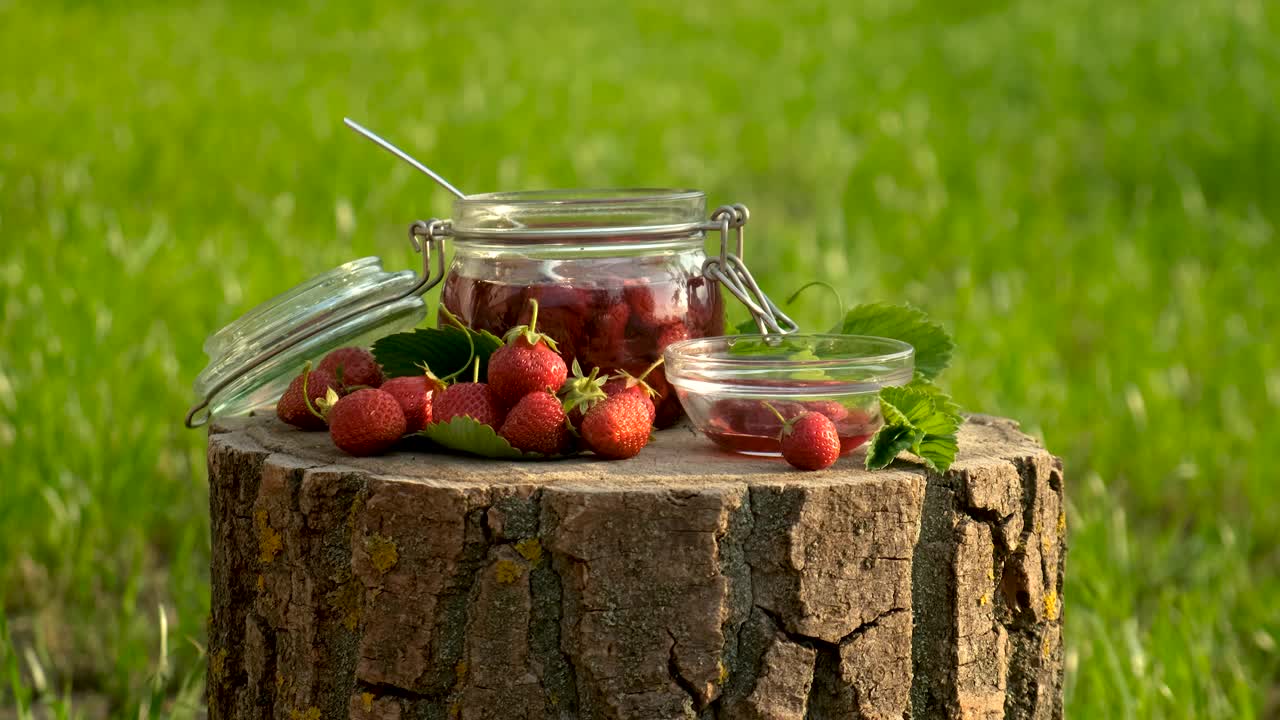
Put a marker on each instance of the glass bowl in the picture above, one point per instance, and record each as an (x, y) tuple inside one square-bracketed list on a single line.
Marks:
[(735, 388)]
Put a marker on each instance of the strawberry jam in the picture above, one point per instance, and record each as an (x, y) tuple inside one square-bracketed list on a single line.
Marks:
[(617, 273), (620, 325)]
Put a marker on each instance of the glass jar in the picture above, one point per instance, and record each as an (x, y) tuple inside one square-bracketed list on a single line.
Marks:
[(618, 274)]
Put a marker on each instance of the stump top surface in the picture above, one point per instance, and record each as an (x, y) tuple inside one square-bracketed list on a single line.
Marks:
[(675, 457)]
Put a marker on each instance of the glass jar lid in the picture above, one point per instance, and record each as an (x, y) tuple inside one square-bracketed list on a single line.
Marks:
[(253, 359)]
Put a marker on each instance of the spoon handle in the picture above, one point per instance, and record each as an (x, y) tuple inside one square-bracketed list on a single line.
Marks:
[(403, 156)]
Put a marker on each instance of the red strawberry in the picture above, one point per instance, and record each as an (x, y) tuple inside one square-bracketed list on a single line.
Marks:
[(672, 333), (353, 366), (642, 302), (810, 442), (527, 363), (472, 399), (626, 383), (292, 407), (536, 424), (366, 422), (618, 427), (606, 331), (831, 408), (414, 393)]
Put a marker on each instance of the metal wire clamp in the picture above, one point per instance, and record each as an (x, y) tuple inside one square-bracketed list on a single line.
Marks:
[(730, 270)]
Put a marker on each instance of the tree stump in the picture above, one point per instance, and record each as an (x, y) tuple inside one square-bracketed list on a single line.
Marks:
[(684, 583)]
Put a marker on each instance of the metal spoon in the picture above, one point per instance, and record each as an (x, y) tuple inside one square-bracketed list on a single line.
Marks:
[(403, 156)]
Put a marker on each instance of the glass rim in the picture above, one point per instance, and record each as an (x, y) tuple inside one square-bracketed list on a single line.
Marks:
[(901, 351), (579, 196), (599, 215)]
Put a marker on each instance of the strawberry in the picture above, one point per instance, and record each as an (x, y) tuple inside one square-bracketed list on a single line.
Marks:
[(292, 406), (580, 392), (810, 441), (642, 302), (353, 366), (366, 422), (527, 363), (537, 424), (606, 331), (626, 383), (618, 427), (672, 333), (471, 399), (414, 393), (831, 408)]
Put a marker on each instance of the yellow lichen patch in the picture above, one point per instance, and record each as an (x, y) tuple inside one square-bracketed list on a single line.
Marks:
[(461, 670), (984, 599), (311, 713), (366, 701), (531, 549), (455, 710), (1062, 524), (262, 583), (991, 574), (1051, 605), (347, 600), (722, 672), (1046, 646), (507, 572), (382, 553), (269, 542), (218, 664), (354, 512)]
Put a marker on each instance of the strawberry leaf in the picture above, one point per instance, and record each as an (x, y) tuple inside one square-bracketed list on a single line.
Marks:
[(906, 323), (918, 418), (470, 436), (445, 350)]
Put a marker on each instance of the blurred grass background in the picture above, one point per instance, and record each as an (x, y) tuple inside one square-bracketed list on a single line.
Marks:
[(1085, 191)]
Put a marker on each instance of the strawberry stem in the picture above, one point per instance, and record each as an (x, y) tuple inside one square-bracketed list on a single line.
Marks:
[(786, 424), (774, 410), (306, 396), (471, 354), (475, 374), (533, 317), (530, 332), (839, 300), (651, 368)]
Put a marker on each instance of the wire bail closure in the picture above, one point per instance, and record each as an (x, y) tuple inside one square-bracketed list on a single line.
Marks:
[(730, 270), (426, 237)]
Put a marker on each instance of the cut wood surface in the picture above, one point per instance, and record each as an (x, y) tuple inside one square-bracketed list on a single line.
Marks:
[(684, 583)]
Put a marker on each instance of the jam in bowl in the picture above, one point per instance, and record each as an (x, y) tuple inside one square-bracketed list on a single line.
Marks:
[(738, 390)]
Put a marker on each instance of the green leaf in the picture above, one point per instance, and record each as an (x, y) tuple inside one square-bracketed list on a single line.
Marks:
[(888, 442), (918, 418), (941, 399), (747, 327), (468, 435), (906, 323), (445, 350)]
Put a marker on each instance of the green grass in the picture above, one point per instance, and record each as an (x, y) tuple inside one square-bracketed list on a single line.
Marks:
[(1086, 191)]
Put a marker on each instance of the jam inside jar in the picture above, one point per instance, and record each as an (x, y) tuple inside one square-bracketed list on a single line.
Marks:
[(617, 274)]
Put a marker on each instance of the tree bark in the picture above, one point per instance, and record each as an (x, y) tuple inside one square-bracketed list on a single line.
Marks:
[(683, 583)]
